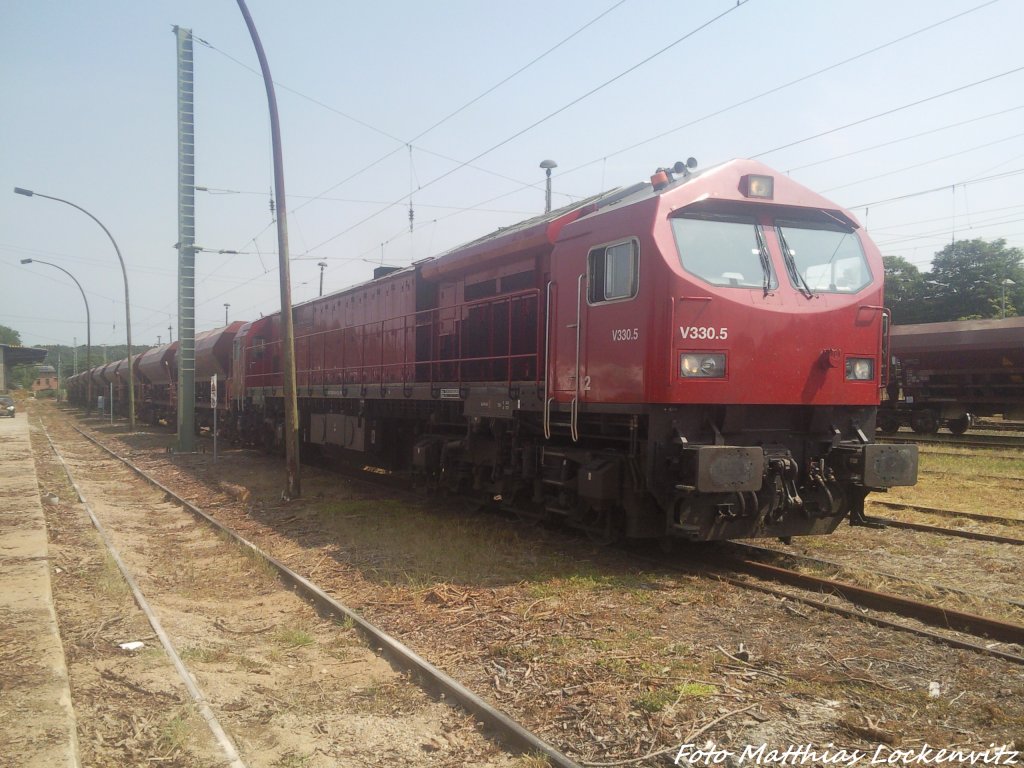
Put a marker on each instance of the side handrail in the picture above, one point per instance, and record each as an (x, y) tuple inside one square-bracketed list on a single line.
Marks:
[(575, 409), (884, 332), (547, 362)]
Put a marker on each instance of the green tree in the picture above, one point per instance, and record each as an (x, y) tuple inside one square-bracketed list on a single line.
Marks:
[(968, 277), (905, 291), (9, 336)]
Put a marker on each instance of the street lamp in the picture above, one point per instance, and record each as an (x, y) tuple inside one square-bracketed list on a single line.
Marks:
[(127, 304), (88, 329), (226, 305), (323, 266), (1006, 281), (547, 165)]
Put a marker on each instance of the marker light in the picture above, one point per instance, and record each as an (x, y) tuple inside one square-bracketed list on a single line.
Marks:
[(860, 369), (701, 365), (754, 185)]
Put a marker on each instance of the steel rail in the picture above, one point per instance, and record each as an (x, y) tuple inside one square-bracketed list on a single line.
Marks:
[(943, 618), (940, 531), (949, 512), (836, 566), (507, 730), (840, 610), (974, 441)]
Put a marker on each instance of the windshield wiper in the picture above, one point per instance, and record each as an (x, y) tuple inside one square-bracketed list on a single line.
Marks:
[(766, 264), (794, 272)]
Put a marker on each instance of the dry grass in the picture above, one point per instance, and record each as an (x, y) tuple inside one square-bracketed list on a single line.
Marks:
[(966, 483), (397, 543), (177, 732), (390, 697), (293, 637), (108, 578)]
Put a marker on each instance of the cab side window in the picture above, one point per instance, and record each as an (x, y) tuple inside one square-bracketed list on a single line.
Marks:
[(613, 271)]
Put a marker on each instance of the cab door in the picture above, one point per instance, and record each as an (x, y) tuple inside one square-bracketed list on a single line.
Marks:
[(589, 296), (566, 318)]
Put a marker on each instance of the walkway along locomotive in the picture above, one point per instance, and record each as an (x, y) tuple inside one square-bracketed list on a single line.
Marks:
[(700, 357)]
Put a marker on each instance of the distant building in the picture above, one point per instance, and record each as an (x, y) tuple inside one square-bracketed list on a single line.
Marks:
[(11, 356), (46, 379)]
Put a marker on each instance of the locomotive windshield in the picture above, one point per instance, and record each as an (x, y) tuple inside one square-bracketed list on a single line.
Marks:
[(724, 250), (826, 257)]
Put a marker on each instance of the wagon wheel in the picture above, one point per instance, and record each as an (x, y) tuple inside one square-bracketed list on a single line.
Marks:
[(888, 423), (924, 423), (961, 425)]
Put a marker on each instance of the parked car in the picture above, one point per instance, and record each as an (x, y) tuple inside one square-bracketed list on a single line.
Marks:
[(6, 406)]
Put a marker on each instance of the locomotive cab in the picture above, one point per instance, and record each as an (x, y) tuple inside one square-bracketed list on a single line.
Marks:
[(737, 318)]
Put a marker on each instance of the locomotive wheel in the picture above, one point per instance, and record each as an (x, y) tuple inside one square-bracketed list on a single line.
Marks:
[(602, 527), (924, 423), (888, 424)]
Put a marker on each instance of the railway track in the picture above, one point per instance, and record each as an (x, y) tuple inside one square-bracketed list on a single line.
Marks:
[(436, 683), (952, 513), (795, 599), (939, 530), (974, 476), (999, 426), (817, 563), (964, 441), (978, 627), (1006, 522), (931, 615)]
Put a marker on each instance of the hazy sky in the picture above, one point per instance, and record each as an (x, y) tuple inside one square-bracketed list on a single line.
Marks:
[(89, 114)]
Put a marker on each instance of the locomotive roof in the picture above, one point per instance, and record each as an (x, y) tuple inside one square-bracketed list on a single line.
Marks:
[(715, 182), (718, 181), (580, 207)]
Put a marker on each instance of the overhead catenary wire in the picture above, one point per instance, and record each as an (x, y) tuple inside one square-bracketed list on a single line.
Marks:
[(902, 139), (888, 112), (933, 190), (550, 115), (782, 87), (421, 134), (859, 55), (745, 101), (924, 163)]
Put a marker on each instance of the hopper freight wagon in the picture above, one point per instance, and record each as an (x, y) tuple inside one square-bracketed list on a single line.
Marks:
[(945, 374)]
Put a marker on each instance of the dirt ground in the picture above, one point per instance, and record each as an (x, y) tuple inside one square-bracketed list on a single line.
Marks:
[(612, 663), (290, 687)]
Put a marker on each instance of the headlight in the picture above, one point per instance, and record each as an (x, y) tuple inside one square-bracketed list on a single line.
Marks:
[(700, 365), (860, 369)]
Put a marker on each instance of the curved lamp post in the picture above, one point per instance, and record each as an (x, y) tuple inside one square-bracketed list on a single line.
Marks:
[(127, 304), (88, 327)]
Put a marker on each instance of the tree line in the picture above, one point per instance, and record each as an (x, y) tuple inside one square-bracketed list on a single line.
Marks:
[(968, 280)]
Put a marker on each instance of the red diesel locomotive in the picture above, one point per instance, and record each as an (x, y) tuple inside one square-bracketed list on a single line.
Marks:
[(698, 357)]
